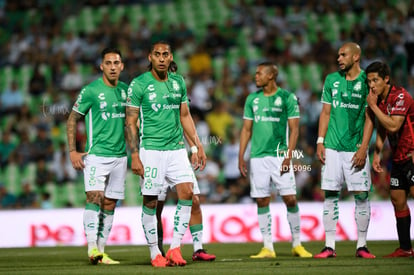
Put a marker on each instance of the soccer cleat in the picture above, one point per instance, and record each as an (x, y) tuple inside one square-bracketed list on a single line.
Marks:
[(363, 252), (95, 256), (159, 261), (400, 253), (107, 260), (300, 251), (174, 257), (264, 253), (202, 255), (327, 252)]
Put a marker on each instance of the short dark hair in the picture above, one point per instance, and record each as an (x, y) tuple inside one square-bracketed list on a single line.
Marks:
[(271, 67), (379, 67), (110, 50)]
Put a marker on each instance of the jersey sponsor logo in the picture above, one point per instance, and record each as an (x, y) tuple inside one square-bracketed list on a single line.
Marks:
[(336, 84), (152, 96), (275, 109), (401, 96), (155, 106), (118, 115), (170, 106), (105, 115), (256, 118), (151, 87), (356, 95), (399, 103), (335, 103), (101, 96), (269, 118), (103, 105), (256, 100), (358, 86), (397, 109), (334, 92), (349, 106), (394, 182)]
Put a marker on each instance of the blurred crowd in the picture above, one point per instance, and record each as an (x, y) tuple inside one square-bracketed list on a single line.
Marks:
[(45, 63)]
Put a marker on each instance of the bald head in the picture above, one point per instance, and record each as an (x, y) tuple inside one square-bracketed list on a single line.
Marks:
[(353, 48)]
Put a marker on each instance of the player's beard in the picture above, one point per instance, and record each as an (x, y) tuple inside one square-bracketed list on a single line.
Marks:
[(347, 68)]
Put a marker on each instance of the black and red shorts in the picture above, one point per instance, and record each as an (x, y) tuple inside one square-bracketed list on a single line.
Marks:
[(402, 175)]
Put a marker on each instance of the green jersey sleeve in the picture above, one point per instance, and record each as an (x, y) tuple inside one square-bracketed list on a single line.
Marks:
[(135, 93), (83, 102), (248, 110), (326, 92), (293, 106)]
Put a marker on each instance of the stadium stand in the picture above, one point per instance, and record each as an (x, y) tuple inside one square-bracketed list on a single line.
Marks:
[(31, 38)]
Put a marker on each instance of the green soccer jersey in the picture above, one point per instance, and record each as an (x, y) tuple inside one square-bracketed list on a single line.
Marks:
[(104, 110), (347, 118), (270, 114), (159, 102)]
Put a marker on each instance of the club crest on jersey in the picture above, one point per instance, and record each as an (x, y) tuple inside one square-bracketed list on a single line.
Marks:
[(175, 85), (278, 101), (358, 86)]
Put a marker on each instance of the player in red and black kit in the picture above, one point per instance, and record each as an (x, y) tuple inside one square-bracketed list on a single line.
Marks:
[(394, 109)]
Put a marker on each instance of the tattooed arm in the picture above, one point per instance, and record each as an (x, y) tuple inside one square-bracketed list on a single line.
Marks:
[(131, 135), (75, 156)]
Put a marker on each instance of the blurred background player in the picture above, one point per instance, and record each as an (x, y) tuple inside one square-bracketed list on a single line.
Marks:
[(104, 163)]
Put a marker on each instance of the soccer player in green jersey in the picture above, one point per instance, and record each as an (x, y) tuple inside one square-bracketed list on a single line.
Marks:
[(345, 128), (158, 100), (271, 121), (104, 163)]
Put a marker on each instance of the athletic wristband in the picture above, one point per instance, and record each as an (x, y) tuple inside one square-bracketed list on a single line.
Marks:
[(320, 140), (194, 150)]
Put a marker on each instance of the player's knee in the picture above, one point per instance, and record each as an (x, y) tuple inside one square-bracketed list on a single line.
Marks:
[(196, 202), (362, 196), (331, 194), (290, 201)]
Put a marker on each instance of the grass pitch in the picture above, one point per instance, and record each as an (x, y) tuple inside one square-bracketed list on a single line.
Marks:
[(231, 259)]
